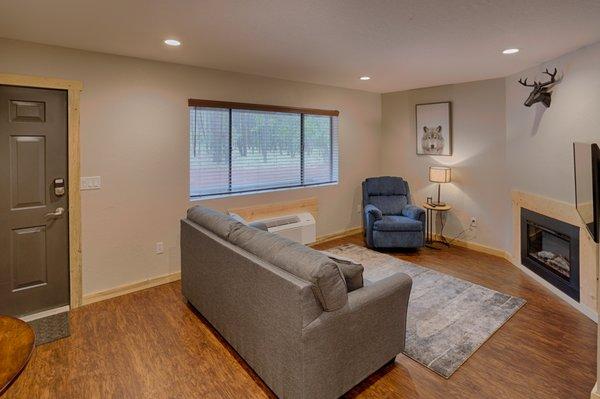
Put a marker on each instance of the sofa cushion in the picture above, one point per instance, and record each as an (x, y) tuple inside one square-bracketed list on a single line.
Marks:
[(391, 239), (328, 282), (352, 271), (237, 217), (397, 223), (413, 212), (389, 204), (212, 220), (385, 185), (256, 224), (259, 225)]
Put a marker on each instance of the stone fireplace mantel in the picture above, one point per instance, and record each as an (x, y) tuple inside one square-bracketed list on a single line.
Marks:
[(588, 249)]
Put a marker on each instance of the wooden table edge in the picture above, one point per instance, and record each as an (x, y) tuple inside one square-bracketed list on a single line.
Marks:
[(8, 383)]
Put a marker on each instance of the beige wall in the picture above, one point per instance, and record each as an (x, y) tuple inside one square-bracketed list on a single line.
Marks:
[(539, 140), (134, 127), (539, 150), (135, 135), (499, 144), (479, 186)]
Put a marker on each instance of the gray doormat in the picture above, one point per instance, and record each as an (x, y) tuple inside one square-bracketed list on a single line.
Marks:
[(448, 318), (50, 328)]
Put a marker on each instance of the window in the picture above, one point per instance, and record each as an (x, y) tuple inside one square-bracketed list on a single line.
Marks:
[(238, 148)]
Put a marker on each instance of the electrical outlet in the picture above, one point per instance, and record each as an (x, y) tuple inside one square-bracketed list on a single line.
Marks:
[(358, 209), (159, 248)]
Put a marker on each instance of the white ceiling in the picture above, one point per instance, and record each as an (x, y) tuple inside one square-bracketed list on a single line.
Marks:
[(401, 44)]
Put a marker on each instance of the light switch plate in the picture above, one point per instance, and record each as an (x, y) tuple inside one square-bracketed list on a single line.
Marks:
[(90, 183)]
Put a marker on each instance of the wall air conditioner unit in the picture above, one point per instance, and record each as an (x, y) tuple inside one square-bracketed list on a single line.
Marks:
[(300, 227)]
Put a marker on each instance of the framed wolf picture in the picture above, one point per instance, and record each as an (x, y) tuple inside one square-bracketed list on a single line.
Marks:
[(434, 128)]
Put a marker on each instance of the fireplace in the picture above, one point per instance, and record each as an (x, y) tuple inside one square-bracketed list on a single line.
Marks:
[(550, 248)]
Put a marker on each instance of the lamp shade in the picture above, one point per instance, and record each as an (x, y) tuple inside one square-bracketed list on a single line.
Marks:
[(439, 174)]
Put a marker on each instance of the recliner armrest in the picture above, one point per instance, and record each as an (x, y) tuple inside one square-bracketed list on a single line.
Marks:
[(412, 211), (374, 211)]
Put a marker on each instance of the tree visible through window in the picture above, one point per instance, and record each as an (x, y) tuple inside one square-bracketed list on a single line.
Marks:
[(237, 150)]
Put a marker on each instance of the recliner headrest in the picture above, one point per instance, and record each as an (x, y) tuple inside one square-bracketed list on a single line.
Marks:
[(385, 185)]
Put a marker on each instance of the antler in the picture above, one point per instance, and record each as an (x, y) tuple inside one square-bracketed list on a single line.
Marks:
[(540, 84), (524, 83), (552, 77)]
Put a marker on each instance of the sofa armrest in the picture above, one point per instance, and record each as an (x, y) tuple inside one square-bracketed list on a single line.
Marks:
[(413, 212), (374, 212), (416, 213), (395, 288), (344, 346)]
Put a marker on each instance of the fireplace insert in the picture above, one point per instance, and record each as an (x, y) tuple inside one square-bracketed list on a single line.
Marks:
[(550, 248)]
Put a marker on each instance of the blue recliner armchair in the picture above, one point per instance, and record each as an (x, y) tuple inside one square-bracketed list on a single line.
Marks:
[(391, 221)]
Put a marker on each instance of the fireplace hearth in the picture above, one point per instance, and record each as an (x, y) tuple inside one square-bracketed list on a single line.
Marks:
[(550, 248)]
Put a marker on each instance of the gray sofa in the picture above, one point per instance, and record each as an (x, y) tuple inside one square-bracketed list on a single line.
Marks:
[(285, 307)]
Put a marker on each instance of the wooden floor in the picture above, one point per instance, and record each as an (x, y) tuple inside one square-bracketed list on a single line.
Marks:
[(151, 344)]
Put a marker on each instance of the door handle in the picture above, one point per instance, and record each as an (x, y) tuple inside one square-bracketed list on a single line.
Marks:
[(58, 212)]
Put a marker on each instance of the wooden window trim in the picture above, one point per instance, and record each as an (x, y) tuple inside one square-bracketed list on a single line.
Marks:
[(192, 102)]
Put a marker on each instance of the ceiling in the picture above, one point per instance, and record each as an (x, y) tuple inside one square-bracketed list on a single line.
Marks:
[(401, 44)]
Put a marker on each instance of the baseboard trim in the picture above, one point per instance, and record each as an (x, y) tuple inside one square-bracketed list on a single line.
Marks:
[(335, 236), (506, 255), (577, 305), (168, 278), (595, 394), (129, 288), (45, 313), (477, 247)]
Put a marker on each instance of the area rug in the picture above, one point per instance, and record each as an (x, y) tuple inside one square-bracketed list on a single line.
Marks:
[(448, 318)]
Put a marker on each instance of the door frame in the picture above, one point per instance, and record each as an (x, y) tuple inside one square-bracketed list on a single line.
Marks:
[(73, 88)]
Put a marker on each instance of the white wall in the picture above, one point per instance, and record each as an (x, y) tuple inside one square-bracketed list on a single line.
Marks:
[(134, 133), (479, 186), (499, 144), (539, 140), (539, 152)]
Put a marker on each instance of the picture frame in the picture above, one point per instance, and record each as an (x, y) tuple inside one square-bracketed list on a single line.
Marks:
[(434, 128)]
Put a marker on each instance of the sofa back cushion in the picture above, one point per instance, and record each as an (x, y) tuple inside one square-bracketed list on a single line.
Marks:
[(389, 194), (323, 273), (388, 204), (212, 220)]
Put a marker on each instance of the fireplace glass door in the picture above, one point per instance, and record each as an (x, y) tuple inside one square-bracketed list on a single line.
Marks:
[(550, 248)]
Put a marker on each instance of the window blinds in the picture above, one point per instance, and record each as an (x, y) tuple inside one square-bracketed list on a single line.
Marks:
[(236, 150)]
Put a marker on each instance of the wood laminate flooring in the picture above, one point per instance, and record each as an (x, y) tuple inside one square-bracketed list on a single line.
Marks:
[(152, 344)]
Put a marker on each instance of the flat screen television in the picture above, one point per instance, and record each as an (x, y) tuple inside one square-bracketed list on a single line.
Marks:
[(587, 185)]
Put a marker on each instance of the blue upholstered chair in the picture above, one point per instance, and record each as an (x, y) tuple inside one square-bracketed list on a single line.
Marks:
[(391, 221)]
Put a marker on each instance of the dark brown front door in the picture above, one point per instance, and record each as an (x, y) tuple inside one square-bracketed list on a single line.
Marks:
[(34, 252)]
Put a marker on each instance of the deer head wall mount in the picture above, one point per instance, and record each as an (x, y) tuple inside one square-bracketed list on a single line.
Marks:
[(540, 91)]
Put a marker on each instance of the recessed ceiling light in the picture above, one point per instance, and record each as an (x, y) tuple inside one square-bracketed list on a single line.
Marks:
[(365, 78), (510, 51), (172, 42)]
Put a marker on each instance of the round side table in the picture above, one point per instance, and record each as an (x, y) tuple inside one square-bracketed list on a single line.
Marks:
[(16, 345), (429, 236)]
